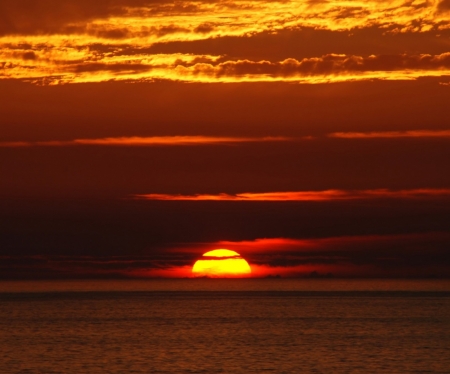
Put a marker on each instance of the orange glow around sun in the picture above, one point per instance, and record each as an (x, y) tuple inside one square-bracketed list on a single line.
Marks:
[(221, 263)]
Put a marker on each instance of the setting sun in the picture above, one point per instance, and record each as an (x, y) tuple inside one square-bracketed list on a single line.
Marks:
[(221, 263)]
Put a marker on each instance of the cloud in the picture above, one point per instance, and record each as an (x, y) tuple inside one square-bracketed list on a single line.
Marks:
[(51, 266), (115, 67), (421, 254), (61, 41), (147, 141), (354, 243), (326, 195), (47, 16), (236, 17), (325, 65), (392, 134), (187, 140), (83, 65), (410, 255)]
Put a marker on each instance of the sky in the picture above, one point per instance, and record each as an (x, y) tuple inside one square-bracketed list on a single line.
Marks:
[(312, 137)]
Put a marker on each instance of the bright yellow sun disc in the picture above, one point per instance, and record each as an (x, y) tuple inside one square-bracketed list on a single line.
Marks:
[(221, 263)]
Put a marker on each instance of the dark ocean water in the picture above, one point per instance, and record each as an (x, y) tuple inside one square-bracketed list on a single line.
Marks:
[(235, 326)]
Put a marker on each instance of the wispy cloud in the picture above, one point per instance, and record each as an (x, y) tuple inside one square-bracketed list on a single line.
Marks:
[(326, 195), (356, 243), (192, 140), (419, 254), (151, 141), (392, 134)]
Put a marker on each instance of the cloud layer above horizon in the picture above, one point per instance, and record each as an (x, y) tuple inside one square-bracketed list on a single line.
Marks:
[(355, 256), (52, 42)]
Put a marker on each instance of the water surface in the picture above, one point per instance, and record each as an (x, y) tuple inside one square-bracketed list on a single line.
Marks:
[(240, 326)]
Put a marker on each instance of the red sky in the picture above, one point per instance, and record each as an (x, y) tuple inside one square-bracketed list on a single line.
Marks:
[(313, 122)]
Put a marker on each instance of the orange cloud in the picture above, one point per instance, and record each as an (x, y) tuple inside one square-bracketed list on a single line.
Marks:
[(76, 41), (392, 134), (269, 244), (327, 64), (190, 140), (228, 17), (363, 256), (146, 141), (326, 195), (329, 244), (82, 66)]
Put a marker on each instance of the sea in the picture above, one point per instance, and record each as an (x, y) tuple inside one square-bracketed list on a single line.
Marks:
[(225, 326)]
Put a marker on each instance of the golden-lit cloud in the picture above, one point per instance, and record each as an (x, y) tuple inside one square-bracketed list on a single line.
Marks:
[(392, 134), (72, 41), (77, 68), (181, 20), (146, 141), (326, 195)]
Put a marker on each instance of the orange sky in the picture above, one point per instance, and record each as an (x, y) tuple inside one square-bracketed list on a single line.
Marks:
[(131, 130)]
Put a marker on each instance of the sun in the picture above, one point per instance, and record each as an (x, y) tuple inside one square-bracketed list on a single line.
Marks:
[(221, 263)]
